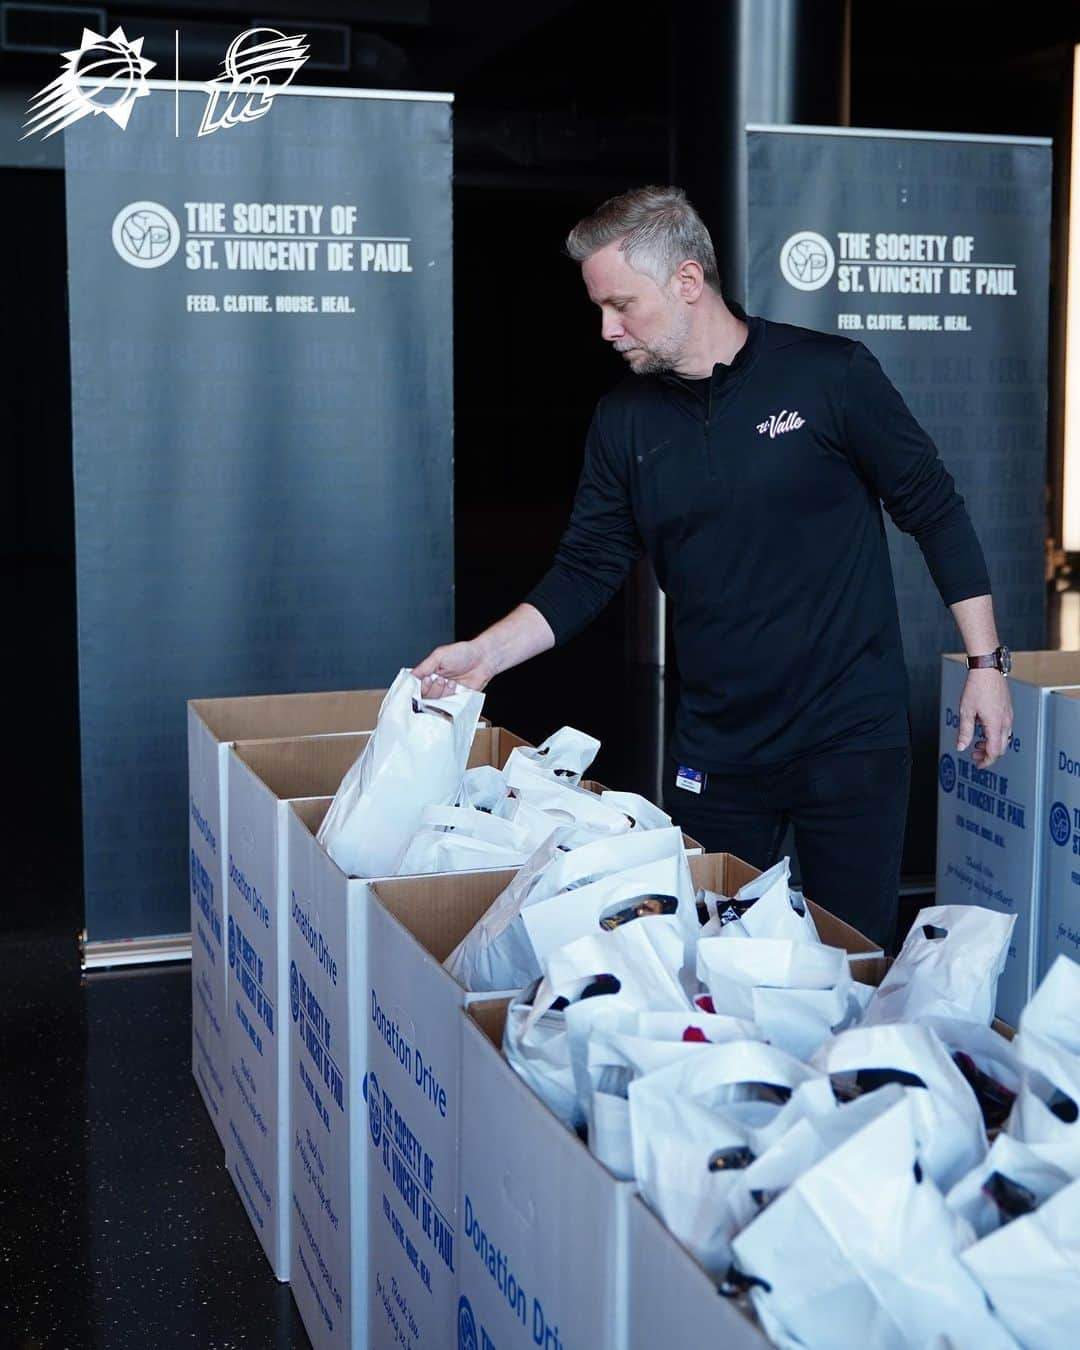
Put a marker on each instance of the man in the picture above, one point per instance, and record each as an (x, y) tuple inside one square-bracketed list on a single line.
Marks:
[(751, 460)]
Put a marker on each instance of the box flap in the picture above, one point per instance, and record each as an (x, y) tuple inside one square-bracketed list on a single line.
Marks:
[(835, 932), (489, 1014), (312, 811), (492, 745), (270, 716), (721, 872), (440, 909), (306, 766)]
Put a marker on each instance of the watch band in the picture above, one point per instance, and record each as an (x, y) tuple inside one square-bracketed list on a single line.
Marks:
[(999, 659)]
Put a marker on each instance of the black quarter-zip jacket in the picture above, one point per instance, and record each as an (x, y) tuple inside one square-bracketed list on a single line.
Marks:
[(757, 494)]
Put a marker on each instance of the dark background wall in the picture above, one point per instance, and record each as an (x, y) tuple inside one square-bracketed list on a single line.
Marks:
[(557, 106)]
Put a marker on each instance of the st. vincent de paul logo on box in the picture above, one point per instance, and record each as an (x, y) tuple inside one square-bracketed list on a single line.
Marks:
[(374, 1101), (1060, 824), (466, 1326)]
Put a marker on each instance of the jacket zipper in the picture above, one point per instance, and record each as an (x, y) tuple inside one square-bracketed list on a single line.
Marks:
[(710, 468)]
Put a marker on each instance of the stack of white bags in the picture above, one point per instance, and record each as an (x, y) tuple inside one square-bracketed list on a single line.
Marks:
[(409, 805), (874, 1167)]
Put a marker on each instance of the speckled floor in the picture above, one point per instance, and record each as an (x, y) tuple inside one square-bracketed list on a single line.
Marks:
[(119, 1225)]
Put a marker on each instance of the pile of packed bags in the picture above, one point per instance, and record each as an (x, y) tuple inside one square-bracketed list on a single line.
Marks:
[(868, 1166), (410, 805)]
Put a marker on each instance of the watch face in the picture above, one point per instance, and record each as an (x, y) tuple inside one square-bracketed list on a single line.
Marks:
[(1006, 660)]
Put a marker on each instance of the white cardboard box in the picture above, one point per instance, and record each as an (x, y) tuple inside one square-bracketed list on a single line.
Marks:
[(541, 1222), (414, 924), (262, 776), (990, 839), (1060, 925), (671, 1300), (373, 1063), (212, 725), (553, 1251)]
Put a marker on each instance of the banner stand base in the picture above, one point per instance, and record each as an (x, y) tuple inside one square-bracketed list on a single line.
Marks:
[(133, 951)]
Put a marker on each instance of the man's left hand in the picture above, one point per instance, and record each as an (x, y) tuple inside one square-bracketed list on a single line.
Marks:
[(986, 697)]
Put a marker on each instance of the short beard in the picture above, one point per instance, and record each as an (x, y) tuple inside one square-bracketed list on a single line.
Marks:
[(667, 352)]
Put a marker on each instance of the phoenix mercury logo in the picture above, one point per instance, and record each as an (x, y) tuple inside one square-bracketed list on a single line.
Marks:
[(245, 89), (778, 423)]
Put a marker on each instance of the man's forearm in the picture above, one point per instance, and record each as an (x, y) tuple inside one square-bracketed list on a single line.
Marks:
[(523, 633), (975, 620)]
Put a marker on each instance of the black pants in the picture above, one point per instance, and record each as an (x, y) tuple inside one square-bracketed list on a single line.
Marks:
[(848, 809)]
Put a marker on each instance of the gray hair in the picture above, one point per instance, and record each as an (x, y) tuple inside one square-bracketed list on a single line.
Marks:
[(658, 229)]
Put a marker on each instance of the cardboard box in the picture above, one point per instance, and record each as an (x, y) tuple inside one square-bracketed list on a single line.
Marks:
[(212, 725), (262, 776), (411, 1006), (1060, 825), (991, 831), (373, 1064), (555, 1218), (672, 1301), (671, 1298), (541, 1222)]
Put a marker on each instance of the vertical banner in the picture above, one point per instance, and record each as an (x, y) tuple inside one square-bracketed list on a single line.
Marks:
[(933, 250), (262, 419)]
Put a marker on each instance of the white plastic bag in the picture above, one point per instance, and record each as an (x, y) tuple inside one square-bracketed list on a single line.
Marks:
[(860, 1252), (564, 756), (613, 1060), (483, 788), (1030, 1271), (660, 887), (726, 965), (458, 838), (497, 954), (947, 1120), (987, 1060), (775, 911), (810, 1126), (628, 969), (948, 966), (533, 825), (542, 1058), (568, 804), (1046, 1113), (798, 992), (642, 813), (692, 1126), (415, 758), (1010, 1181), (643, 957), (1053, 1011), (709, 906), (628, 1046)]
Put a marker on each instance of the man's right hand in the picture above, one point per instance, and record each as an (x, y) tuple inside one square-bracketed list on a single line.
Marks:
[(520, 635), (459, 663)]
